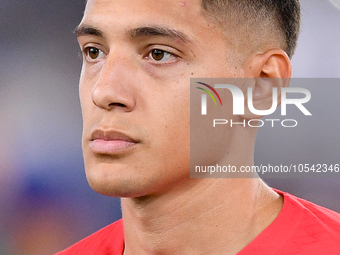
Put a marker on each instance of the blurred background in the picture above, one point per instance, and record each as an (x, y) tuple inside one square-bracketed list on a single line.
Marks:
[(45, 202)]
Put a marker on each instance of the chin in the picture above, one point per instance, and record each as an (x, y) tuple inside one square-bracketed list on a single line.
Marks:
[(120, 186), (130, 179)]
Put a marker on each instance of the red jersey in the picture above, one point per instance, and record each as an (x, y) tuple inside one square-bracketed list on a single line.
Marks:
[(301, 228)]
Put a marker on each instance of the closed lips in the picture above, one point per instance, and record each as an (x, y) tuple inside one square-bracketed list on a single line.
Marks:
[(110, 142)]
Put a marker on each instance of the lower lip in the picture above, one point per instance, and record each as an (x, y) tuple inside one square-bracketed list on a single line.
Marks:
[(111, 147)]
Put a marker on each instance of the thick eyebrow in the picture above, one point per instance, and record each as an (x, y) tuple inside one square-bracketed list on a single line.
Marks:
[(83, 30), (149, 31)]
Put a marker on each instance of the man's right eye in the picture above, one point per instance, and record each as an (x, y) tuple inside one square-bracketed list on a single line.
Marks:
[(92, 53)]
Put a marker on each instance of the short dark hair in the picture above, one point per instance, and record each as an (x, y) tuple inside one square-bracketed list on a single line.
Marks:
[(283, 16)]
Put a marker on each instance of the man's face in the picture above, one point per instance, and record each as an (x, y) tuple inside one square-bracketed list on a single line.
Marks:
[(139, 56)]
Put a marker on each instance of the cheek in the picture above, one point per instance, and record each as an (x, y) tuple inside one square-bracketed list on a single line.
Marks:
[(88, 79), (84, 93), (86, 86), (90, 113), (170, 130), (209, 144)]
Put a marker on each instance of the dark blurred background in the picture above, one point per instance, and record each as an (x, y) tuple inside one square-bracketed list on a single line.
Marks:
[(45, 201)]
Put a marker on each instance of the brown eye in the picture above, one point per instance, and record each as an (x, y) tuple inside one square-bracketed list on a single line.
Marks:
[(161, 56), (157, 55), (93, 53)]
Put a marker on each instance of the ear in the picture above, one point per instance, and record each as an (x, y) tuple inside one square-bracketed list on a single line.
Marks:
[(271, 69)]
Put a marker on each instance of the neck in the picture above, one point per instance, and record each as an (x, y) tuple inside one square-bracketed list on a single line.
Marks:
[(199, 216), (204, 215)]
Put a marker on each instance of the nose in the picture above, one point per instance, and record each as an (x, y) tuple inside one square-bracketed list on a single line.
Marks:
[(114, 86)]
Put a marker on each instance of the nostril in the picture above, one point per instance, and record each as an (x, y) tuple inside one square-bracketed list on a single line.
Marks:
[(116, 104)]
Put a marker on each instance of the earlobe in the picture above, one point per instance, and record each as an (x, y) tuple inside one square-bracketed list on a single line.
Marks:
[(271, 70)]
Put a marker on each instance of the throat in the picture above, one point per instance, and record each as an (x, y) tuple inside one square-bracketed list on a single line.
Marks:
[(235, 215)]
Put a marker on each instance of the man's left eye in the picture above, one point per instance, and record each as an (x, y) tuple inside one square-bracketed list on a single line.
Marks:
[(161, 55)]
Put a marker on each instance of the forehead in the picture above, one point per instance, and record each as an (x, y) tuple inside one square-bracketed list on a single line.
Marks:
[(112, 15), (135, 7)]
